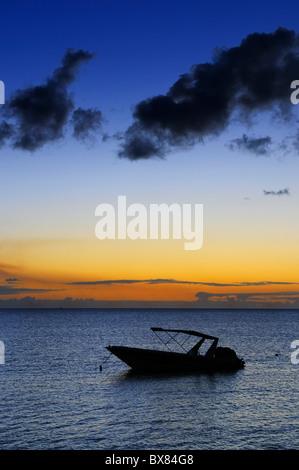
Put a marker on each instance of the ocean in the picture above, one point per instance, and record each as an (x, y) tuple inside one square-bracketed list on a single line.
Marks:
[(54, 396)]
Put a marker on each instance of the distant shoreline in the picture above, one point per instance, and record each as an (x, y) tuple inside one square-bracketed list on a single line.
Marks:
[(148, 307)]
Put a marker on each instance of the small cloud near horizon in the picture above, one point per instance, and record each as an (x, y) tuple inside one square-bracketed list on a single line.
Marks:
[(7, 290), (175, 281), (257, 146), (281, 192), (12, 280)]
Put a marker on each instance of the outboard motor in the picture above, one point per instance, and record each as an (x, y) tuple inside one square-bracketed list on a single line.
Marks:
[(228, 354)]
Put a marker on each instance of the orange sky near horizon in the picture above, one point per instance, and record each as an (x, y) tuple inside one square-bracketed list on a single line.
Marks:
[(54, 265)]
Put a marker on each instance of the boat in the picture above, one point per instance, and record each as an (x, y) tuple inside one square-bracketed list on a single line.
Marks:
[(213, 358)]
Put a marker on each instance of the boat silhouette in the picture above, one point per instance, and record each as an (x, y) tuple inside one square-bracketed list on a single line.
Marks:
[(215, 358)]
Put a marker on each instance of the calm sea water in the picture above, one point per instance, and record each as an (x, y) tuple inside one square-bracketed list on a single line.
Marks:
[(53, 395)]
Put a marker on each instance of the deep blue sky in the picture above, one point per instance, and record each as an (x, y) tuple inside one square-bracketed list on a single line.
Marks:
[(142, 46)]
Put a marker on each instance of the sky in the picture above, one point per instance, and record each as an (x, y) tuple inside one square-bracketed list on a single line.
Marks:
[(164, 102)]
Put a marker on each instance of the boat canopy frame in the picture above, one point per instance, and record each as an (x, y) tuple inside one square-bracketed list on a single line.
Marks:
[(195, 348)]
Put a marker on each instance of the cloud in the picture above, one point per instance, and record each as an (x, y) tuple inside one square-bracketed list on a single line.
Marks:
[(86, 121), (12, 280), (248, 300), (6, 132), (175, 281), (281, 192), (40, 113), (141, 145), (203, 300), (8, 290), (258, 146), (239, 82)]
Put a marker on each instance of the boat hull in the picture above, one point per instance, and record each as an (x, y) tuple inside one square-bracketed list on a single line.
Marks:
[(163, 361)]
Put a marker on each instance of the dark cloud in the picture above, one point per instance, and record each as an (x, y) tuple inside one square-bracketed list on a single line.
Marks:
[(12, 280), (238, 83), (205, 300), (7, 290), (106, 282), (86, 121), (6, 132), (175, 281), (40, 113), (137, 144), (281, 192), (251, 300), (258, 146)]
